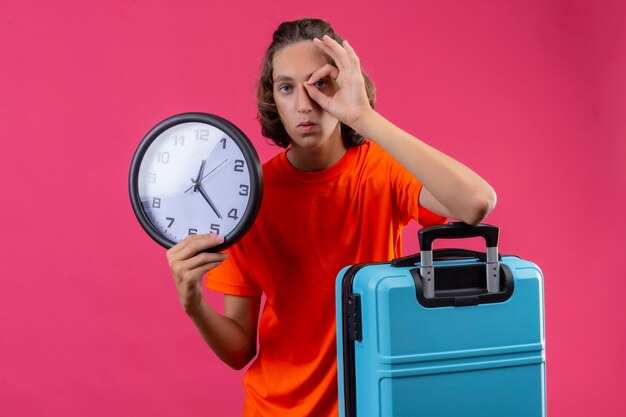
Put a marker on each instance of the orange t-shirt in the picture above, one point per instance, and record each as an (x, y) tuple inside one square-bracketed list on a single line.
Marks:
[(310, 225)]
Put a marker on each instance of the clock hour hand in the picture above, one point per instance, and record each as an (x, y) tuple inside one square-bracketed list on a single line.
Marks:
[(196, 182), (200, 172), (199, 188)]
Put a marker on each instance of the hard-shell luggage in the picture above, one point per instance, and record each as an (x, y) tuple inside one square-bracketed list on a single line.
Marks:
[(443, 333)]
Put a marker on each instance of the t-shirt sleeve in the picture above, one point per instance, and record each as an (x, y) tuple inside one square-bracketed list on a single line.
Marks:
[(407, 192), (232, 276), (428, 218)]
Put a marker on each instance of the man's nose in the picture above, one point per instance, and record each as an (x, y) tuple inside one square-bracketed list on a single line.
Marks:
[(305, 104)]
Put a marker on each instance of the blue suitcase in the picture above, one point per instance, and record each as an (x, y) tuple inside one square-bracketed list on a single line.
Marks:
[(443, 333)]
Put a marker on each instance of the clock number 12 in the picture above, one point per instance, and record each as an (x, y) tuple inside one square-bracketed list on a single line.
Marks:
[(201, 134)]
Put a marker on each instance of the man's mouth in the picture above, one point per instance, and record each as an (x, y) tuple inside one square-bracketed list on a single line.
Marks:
[(306, 127)]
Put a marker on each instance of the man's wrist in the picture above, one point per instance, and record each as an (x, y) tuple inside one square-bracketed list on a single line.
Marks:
[(367, 123), (193, 306)]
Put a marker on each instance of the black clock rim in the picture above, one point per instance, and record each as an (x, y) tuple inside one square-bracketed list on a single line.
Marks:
[(249, 153)]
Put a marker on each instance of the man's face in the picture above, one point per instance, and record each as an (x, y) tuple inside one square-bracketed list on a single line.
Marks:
[(305, 122)]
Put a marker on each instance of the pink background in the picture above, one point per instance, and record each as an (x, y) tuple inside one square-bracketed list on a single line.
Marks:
[(531, 94)]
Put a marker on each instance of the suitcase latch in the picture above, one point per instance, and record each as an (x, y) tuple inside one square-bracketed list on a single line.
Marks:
[(354, 317)]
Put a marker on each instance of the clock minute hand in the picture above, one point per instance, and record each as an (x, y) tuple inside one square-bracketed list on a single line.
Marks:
[(208, 199)]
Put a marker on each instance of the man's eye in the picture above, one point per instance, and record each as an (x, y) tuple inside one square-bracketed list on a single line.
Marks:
[(320, 84), (284, 89)]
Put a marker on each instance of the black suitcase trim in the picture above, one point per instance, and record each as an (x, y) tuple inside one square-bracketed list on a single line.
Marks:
[(351, 331), (469, 288), (349, 379)]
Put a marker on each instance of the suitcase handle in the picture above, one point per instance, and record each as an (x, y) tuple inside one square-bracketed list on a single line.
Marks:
[(458, 230), (441, 254)]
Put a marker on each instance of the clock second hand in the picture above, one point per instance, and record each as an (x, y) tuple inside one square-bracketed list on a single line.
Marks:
[(213, 170), (199, 180)]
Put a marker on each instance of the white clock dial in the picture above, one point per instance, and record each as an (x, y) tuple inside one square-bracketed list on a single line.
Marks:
[(172, 184), (194, 178)]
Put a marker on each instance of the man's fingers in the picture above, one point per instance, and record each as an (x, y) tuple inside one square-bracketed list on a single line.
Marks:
[(351, 54), (191, 270), (182, 275), (202, 258), (322, 99), (316, 95), (334, 50), (192, 245), (180, 245), (204, 268), (325, 71)]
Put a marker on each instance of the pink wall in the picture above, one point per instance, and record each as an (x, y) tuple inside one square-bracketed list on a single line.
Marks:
[(531, 94)]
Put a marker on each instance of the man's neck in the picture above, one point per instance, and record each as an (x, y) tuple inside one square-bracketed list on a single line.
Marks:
[(317, 159)]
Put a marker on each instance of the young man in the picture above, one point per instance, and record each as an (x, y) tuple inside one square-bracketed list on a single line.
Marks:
[(331, 199)]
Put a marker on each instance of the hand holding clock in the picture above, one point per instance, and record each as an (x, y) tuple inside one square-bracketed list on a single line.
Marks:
[(159, 191), (231, 334), (189, 261)]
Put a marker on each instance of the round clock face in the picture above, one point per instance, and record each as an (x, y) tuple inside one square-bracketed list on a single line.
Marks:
[(195, 173)]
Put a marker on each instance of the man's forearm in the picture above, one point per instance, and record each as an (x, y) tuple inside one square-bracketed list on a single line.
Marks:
[(223, 335), (456, 186)]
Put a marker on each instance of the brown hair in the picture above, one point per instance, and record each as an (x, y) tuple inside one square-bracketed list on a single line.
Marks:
[(287, 34)]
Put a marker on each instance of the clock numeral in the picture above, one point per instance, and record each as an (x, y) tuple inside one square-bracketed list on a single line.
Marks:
[(239, 165), (243, 189), (193, 232), (180, 139), (223, 142), (201, 134), (171, 220), (215, 228), (156, 202), (233, 214), (152, 177), (163, 157)]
